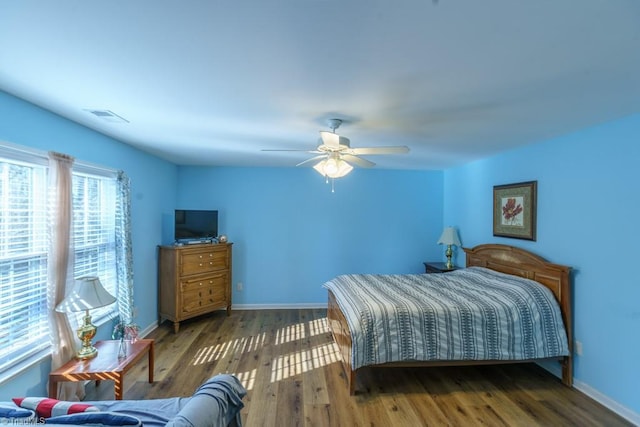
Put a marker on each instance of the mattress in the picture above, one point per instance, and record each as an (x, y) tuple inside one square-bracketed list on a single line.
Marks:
[(468, 314)]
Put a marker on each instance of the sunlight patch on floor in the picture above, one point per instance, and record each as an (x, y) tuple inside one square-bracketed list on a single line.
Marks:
[(290, 333), (303, 361), (284, 366), (238, 346), (318, 327), (247, 378), (299, 331)]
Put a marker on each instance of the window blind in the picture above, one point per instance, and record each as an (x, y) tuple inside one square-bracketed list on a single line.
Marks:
[(24, 245), (94, 222), (24, 328)]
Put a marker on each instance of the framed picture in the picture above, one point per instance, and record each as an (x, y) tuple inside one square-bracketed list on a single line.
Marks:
[(514, 210)]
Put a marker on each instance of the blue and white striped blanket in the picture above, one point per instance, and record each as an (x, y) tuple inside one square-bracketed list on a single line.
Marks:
[(468, 314)]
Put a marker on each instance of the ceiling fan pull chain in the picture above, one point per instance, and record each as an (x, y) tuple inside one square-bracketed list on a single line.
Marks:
[(333, 190)]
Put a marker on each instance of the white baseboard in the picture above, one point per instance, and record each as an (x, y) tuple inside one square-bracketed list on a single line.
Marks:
[(602, 399), (146, 331), (277, 306), (619, 409)]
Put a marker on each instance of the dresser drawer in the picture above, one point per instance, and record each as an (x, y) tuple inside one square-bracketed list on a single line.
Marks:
[(196, 284), (195, 301), (203, 299), (201, 262)]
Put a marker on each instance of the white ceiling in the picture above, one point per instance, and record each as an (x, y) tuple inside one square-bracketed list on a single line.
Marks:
[(206, 82)]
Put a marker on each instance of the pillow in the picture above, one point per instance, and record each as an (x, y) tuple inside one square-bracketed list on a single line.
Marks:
[(10, 412), (46, 407), (95, 419)]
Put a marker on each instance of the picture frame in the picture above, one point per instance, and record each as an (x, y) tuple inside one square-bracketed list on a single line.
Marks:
[(514, 210)]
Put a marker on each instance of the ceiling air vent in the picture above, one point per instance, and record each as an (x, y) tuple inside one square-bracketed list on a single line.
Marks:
[(107, 116)]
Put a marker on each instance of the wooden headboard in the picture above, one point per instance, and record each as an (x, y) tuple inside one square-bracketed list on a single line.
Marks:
[(518, 262)]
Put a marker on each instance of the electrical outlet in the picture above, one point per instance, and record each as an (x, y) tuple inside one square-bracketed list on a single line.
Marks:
[(579, 348), (239, 286)]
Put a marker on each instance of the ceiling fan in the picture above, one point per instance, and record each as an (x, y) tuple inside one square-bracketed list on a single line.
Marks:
[(335, 155)]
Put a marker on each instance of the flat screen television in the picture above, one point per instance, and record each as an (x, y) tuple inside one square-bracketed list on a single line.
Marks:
[(195, 225)]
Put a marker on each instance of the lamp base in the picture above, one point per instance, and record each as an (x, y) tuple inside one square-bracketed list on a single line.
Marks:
[(87, 353), (86, 332), (449, 252)]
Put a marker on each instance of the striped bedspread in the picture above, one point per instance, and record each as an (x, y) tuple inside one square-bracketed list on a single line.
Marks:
[(468, 314)]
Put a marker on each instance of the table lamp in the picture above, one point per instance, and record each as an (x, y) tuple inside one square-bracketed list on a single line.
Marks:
[(87, 293), (449, 237)]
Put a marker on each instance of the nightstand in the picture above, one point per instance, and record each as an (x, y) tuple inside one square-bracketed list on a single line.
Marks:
[(437, 267), (105, 366)]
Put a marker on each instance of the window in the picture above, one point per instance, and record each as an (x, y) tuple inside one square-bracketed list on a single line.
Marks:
[(24, 329), (94, 233)]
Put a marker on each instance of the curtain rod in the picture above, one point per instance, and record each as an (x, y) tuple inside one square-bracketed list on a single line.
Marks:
[(44, 155)]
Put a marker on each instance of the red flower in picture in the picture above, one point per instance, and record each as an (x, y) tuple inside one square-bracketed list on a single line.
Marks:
[(511, 210)]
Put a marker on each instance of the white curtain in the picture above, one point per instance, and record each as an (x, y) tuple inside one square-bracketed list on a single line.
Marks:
[(60, 268), (124, 262)]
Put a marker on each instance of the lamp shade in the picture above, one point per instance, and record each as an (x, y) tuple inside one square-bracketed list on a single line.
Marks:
[(87, 293), (449, 237)]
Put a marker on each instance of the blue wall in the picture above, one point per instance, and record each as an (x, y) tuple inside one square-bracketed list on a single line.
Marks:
[(588, 208), (153, 187), (291, 233)]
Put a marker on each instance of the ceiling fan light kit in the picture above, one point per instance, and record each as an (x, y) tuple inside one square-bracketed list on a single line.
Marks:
[(335, 155), (333, 166)]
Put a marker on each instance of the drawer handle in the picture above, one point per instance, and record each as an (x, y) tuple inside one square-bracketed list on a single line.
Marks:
[(201, 264), (210, 262)]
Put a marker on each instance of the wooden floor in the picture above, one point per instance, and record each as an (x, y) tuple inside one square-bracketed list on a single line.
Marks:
[(289, 364)]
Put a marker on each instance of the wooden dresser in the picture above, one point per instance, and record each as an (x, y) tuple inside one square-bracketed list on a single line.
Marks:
[(193, 280)]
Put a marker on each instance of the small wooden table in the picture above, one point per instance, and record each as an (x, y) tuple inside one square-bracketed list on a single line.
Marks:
[(105, 366), (437, 267)]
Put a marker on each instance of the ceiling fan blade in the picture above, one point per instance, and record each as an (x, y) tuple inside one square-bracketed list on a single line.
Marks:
[(313, 159), (330, 139), (396, 149), (295, 151), (344, 141), (357, 161)]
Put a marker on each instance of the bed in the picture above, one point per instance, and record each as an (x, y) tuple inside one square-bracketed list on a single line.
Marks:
[(354, 308)]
